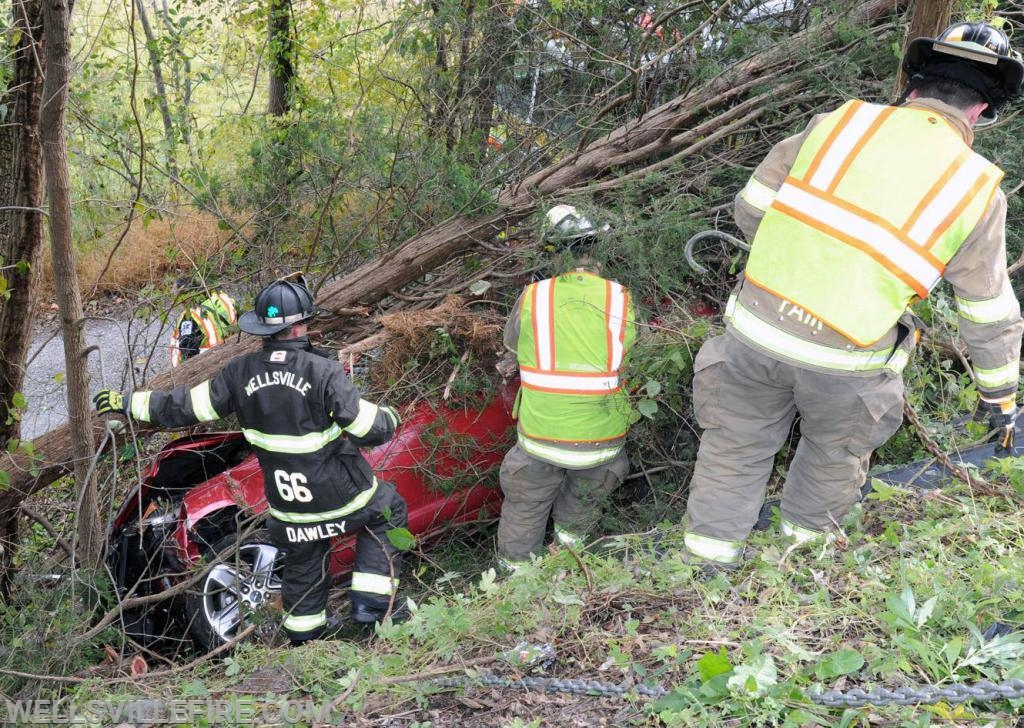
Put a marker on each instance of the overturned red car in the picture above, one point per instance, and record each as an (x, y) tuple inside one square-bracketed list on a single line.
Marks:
[(203, 495)]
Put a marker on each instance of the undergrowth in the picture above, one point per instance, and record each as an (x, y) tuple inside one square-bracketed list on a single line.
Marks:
[(898, 599)]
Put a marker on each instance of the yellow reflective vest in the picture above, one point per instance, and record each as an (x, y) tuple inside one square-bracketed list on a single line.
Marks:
[(574, 332), (880, 197), (213, 320)]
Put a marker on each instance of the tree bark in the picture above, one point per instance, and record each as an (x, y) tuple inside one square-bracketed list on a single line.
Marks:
[(56, 23), (668, 128), (928, 18), (156, 67), (282, 57), (21, 239)]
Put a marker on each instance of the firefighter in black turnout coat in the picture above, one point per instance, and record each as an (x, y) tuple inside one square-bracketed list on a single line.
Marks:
[(306, 422)]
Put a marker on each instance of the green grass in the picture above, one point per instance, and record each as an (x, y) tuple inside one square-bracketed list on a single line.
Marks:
[(896, 599)]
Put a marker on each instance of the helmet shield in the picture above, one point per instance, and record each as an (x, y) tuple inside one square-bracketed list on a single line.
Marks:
[(976, 55), (279, 305)]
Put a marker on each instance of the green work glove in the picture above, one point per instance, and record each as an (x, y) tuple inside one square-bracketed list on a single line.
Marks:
[(109, 402)]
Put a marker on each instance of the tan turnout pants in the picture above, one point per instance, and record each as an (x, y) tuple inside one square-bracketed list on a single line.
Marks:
[(746, 402), (535, 489)]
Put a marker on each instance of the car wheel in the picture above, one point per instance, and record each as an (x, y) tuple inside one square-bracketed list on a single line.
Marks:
[(246, 581)]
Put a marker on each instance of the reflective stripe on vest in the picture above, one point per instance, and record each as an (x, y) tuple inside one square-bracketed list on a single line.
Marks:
[(352, 506), (786, 344), (881, 196), (574, 333)]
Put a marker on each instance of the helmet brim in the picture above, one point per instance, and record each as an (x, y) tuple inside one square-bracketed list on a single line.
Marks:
[(922, 51), (250, 323)]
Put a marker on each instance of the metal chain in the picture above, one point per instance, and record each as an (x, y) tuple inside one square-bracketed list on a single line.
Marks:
[(527, 655), (982, 690)]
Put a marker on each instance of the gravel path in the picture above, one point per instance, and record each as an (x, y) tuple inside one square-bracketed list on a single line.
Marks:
[(117, 343)]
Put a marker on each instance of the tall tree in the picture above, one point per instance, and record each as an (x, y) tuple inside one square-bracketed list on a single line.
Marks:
[(281, 43), (928, 18), (156, 67), (56, 24), (21, 238)]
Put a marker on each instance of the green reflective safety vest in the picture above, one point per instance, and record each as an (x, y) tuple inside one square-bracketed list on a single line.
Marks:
[(574, 332), (878, 200)]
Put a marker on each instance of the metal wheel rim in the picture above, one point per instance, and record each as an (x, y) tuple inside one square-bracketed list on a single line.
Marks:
[(238, 586)]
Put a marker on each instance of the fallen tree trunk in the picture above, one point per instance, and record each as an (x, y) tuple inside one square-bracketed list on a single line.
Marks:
[(665, 130)]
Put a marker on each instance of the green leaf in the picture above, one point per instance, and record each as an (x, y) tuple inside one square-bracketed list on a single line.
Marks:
[(561, 598), (232, 667), (841, 662), (647, 407), (401, 538), (713, 664), (18, 400), (756, 676), (5, 480), (196, 688), (653, 388)]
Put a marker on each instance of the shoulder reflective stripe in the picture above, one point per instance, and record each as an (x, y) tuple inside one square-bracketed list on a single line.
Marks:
[(293, 444), (713, 549), (305, 623), (854, 124), (616, 313), (140, 405), (569, 383), (202, 407), (990, 310), (798, 533), (950, 200), (570, 458), (543, 323), (999, 376), (861, 142), (757, 194), (363, 422), (229, 306), (915, 267), (352, 506), (793, 347), (373, 583)]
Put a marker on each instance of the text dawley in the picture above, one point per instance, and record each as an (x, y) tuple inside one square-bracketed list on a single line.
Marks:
[(298, 534), (283, 379)]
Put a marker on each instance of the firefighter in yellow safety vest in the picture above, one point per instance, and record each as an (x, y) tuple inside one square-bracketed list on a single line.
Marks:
[(203, 326), (569, 335), (850, 222)]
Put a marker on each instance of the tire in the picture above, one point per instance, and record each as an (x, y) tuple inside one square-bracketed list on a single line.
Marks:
[(245, 581)]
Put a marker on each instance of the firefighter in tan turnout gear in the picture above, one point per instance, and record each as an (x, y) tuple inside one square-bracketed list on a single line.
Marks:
[(851, 221), (569, 334), (306, 423)]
